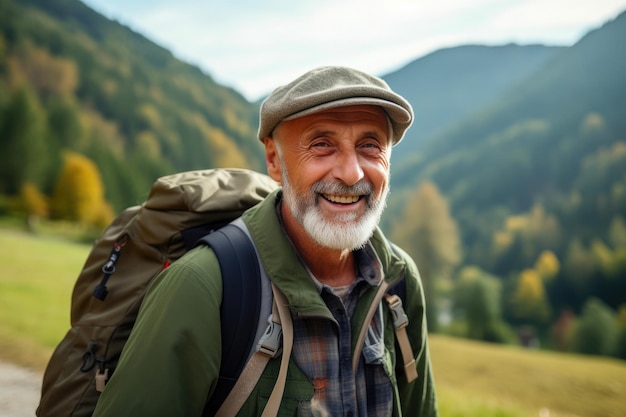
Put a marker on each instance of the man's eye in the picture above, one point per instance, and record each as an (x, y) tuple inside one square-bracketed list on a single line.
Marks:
[(320, 144), (371, 145)]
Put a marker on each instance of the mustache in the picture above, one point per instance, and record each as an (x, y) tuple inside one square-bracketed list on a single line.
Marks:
[(362, 187)]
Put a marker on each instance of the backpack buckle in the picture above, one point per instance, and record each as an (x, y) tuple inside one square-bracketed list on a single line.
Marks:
[(270, 343), (400, 319)]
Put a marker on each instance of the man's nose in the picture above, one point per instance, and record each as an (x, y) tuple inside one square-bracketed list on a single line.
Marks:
[(348, 168)]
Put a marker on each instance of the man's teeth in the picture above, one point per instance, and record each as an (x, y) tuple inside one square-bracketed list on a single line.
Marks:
[(342, 199)]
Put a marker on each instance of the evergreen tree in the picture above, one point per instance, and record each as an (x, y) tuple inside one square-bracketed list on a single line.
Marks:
[(65, 133), (578, 267), (23, 147), (596, 331), (477, 300)]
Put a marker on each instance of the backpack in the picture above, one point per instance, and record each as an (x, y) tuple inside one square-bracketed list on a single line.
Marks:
[(130, 253)]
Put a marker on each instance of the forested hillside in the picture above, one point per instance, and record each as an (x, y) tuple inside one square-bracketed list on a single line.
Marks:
[(449, 84), (539, 175), (71, 79)]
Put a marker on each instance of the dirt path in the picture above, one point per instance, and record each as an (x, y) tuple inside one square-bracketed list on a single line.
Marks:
[(19, 391)]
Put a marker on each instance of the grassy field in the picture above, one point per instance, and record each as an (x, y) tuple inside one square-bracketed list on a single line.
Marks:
[(36, 281), (473, 379)]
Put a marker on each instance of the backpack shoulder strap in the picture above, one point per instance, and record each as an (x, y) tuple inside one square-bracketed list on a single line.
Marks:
[(396, 295), (400, 321), (277, 340), (399, 289), (241, 303)]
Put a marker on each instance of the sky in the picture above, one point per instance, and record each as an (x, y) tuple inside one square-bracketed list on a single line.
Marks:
[(255, 46)]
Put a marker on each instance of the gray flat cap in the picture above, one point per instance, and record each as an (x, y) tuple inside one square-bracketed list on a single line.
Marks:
[(330, 87)]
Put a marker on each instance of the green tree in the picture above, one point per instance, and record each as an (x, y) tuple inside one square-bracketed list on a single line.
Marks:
[(579, 266), (65, 125), (596, 331), (23, 147), (427, 231), (65, 132), (477, 300)]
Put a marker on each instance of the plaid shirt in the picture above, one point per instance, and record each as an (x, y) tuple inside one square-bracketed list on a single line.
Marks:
[(322, 350)]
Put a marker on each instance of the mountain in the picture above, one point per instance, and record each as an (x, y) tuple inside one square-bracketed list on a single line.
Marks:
[(552, 143), (585, 79), (449, 84)]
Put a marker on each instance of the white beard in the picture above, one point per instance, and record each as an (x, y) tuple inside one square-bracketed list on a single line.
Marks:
[(346, 231)]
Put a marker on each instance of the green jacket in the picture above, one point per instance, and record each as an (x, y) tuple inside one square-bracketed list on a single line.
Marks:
[(170, 364)]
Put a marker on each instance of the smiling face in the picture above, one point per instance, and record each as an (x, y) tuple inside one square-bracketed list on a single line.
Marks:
[(334, 168)]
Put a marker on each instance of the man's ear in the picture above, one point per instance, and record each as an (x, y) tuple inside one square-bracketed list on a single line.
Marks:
[(272, 159)]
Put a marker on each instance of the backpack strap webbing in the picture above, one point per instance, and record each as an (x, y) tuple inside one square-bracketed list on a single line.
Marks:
[(356, 355), (241, 302), (395, 296), (280, 332), (276, 397), (400, 321)]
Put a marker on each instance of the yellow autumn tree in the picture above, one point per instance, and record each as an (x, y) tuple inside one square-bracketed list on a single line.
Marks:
[(529, 301), (428, 232), (225, 152), (33, 201), (34, 204), (547, 265), (79, 192)]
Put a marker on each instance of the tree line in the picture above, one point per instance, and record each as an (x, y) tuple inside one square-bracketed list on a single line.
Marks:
[(574, 303)]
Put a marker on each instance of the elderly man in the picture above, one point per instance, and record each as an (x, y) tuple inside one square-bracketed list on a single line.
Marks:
[(328, 137)]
